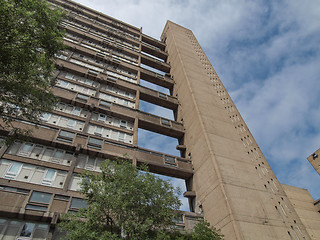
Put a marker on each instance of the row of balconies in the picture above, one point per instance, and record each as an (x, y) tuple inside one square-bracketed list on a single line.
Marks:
[(146, 94), (145, 59), (97, 16), (77, 141), (146, 121), (85, 15)]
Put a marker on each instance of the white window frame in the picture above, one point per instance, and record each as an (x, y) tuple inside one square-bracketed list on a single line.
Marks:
[(102, 119), (13, 175), (98, 132), (123, 123), (24, 153), (43, 118), (74, 122), (120, 137), (76, 110), (48, 181)]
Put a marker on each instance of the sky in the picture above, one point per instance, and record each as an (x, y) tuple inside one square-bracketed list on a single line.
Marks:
[(266, 53)]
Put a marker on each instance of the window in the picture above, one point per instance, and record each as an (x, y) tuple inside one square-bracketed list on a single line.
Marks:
[(71, 123), (45, 116), (122, 136), (95, 142), (105, 104), (90, 163), (39, 201), (13, 189), (170, 160), (13, 170), (77, 203), (165, 122), (123, 123), (61, 197), (27, 230), (36, 207), (101, 117), (82, 97), (89, 82), (65, 136), (25, 149), (62, 83), (98, 130), (36, 152), (40, 197), (57, 155), (161, 95), (76, 111), (75, 183), (49, 177), (21, 230), (69, 76)]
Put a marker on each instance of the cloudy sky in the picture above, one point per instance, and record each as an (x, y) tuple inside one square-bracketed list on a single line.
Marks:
[(267, 54)]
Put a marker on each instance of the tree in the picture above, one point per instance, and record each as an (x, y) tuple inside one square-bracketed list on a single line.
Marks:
[(29, 39), (123, 201), (203, 231)]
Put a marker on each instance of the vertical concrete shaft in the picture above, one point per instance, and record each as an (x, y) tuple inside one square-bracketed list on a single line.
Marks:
[(234, 184)]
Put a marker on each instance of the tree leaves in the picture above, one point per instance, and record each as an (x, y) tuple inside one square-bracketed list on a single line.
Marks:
[(125, 202), (29, 39)]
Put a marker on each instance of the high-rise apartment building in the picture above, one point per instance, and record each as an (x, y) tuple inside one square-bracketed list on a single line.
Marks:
[(228, 180)]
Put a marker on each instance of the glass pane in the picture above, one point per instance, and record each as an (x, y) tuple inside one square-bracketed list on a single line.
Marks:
[(76, 111), (27, 230), (36, 207), (68, 75), (40, 197), (123, 123), (71, 123), (50, 174), (98, 130), (68, 156), (45, 116), (15, 168), (58, 154), (14, 148), (26, 147), (66, 134), (36, 151), (95, 141), (11, 232), (121, 136), (105, 104), (101, 117), (81, 161), (47, 154), (78, 203), (90, 163)]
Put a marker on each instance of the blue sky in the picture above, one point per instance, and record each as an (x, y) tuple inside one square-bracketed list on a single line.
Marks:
[(267, 54)]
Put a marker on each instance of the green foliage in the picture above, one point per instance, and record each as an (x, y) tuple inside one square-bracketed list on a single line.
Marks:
[(123, 200), (203, 231), (127, 203), (29, 39)]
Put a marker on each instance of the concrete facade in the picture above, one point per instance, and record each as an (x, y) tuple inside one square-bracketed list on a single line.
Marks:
[(234, 184), (314, 160), (229, 182)]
